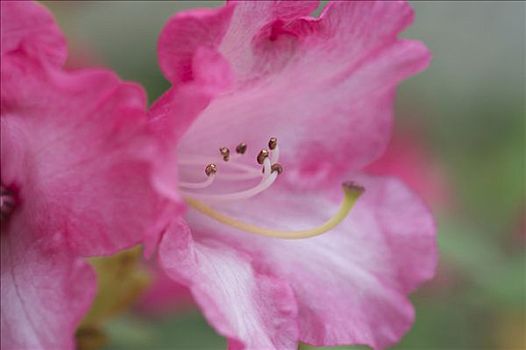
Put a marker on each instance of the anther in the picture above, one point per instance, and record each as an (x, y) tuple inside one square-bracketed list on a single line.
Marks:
[(272, 143), (276, 167), (262, 155), (210, 169), (225, 152), (241, 148)]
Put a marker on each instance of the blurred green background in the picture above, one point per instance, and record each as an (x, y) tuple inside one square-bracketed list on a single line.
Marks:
[(467, 110)]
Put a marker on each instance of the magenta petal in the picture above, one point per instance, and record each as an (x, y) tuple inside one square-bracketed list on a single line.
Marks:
[(351, 284), (254, 310), (29, 28), (83, 140), (45, 292), (76, 158)]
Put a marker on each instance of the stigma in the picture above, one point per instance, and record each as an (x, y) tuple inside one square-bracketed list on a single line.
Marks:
[(230, 169)]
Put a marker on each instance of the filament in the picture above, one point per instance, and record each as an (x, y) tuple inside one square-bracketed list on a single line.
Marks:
[(274, 155), (351, 194), (240, 176), (268, 179), (200, 160), (197, 185), (265, 183), (267, 168)]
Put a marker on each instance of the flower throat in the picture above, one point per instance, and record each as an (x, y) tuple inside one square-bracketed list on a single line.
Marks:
[(267, 172), (7, 203)]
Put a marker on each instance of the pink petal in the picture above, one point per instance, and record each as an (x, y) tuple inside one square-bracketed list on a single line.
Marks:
[(28, 28), (45, 292), (75, 144), (77, 150), (351, 284), (184, 34), (190, 30), (253, 310), (299, 79)]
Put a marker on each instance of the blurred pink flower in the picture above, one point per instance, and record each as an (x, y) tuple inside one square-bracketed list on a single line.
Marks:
[(74, 179), (407, 158), (324, 87)]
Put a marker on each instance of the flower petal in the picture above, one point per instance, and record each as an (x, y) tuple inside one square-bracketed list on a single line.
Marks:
[(45, 292), (76, 146), (232, 26), (29, 28), (253, 310), (184, 34), (300, 79), (351, 283)]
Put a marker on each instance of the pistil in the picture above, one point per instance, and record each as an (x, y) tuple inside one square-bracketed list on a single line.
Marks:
[(351, 194)]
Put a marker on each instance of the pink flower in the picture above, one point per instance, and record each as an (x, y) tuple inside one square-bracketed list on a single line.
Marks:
[(74, 179), (324, 87), (407, 158)]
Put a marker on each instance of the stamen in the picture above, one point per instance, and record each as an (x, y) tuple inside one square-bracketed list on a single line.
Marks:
[(199, 160), (276, 167), (197, 185), (262, 155), (238, 171), (241, 176), (265, 183), (274, 155), (225, 153), (274, 149), (241, 148), (351, 194), (272, 143), (210, 169), (267, 166)]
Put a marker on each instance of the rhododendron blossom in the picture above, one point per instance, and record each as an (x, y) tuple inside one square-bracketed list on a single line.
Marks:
[(274, 110), (74, 181)]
